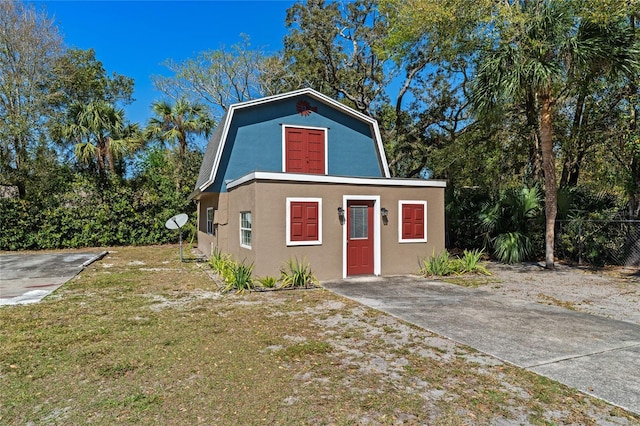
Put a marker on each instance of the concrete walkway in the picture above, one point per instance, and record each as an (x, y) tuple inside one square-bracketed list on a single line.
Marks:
[(598, 356), (28, 278)]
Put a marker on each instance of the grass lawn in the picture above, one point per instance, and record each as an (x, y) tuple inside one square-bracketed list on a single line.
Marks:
[(140, 338)]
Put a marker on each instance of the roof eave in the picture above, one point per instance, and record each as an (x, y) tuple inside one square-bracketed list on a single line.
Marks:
[(195, 195), (297, 178)]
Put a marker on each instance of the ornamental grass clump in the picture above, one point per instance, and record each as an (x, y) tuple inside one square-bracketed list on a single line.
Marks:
[(444, 264), (296, 274), (268, 282), (219, 261), (471, 262), (438, 265), (239, 277)]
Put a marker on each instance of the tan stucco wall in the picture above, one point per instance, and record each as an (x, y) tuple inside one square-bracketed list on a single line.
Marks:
[(240, 200), (325, 259), (206, 241), (399, 257), (267, 202)]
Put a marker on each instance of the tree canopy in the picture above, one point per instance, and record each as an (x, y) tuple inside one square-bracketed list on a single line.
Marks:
[(505, 100)]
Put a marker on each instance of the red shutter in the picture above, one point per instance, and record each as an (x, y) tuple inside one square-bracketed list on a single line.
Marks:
[(295, 142), (315, 152), (413, 221), (304, 221), (297, 222), (305, 151)]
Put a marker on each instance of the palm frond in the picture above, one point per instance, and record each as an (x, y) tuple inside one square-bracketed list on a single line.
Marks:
[(512, 247), (85, 152)]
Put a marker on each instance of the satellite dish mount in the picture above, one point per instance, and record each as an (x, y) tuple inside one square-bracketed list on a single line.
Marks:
[(177, 222)]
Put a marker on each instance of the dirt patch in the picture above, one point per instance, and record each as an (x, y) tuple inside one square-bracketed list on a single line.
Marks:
[(611, 292)]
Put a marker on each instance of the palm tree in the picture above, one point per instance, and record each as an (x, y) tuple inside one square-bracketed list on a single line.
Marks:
[(174, 123), (100, 134), (540, 50)]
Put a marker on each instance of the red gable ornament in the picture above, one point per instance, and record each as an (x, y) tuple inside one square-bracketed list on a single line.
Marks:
[(304, 108)]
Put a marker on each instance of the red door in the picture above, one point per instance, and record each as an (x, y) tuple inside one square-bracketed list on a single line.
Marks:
[(304, 150), (359, 237)]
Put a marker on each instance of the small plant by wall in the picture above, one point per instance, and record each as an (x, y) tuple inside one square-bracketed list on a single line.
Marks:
[(268, 282), (296, 274), (238, 276), (437, 265), (219, 261), (471, 262), (445, 264)]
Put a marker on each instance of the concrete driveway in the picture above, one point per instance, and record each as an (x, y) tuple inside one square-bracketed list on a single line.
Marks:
[(27, 278), (598, 356)]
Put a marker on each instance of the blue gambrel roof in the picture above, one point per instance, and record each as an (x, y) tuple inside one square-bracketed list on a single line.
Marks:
[(213, 156)]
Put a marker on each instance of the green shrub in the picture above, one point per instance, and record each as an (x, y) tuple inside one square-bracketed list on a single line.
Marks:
[(444, 264), (268, 282), (596, 242), (512, 247), (68, 210), (219, 261), (509, 223), (471, 262), (296, 274), (439, 265), (239, 277)]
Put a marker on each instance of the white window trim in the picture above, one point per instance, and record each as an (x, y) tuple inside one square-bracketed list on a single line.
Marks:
[(411, 240), (284, 144), (245, 229), (377, 252), (288, 222)]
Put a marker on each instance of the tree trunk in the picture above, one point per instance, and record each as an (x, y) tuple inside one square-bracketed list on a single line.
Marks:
[(533, 129), (574, 174), (109, 156), (549, 168), (634, 195), (567, 166), (574, 157)]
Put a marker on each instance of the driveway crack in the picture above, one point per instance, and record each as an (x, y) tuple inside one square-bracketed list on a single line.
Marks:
[(555, 361)]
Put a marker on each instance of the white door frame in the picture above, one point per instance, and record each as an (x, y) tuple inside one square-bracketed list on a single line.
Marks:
[(376, 231)]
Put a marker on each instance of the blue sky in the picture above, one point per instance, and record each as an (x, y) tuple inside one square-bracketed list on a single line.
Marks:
[(133, 38)]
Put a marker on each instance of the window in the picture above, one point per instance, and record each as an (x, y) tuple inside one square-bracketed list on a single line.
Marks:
[(245, 229), (210, 220), (358, 222), (304, 221), (412, 221), (305, 150)]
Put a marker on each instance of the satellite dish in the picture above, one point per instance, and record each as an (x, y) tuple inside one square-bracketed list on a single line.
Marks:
[(177, 221)]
